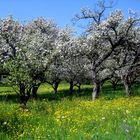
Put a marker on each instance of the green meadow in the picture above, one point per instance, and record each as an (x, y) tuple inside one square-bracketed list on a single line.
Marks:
[(59, 117)]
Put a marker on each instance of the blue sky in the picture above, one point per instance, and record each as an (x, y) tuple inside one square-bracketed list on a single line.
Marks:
[(62, 11)]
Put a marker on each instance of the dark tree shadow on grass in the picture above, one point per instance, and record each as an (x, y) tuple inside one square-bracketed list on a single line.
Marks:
[(9, 98), (86, 92), (107, 92)]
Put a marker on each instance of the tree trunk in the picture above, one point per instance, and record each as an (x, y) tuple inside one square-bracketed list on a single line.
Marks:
[(96, 91), (96, 83), (34, 90), (55, 87), (24, 93), (23, 97), (127, 85), (28, 92), (71, 88)]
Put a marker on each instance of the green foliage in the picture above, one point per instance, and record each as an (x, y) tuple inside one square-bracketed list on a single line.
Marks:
[(18, 77), (18, 71)]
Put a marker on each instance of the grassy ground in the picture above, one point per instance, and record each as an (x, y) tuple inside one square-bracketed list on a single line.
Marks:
[(57, 117)]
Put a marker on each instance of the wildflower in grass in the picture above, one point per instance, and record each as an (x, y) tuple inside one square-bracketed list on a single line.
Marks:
[(103, 118), (127, 130), (107, 132), (4, 123), (127, 111), (63, 117), (124, 120), (26, 110)]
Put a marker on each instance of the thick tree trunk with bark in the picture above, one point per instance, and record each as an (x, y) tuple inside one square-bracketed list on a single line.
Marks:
[(55, 87), (34, 90), (96, 83), (71, 88), (96, 91), (24, 97), (22, 93), (127, 84)]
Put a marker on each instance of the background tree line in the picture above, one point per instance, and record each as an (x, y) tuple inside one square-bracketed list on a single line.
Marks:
[(40, 51)]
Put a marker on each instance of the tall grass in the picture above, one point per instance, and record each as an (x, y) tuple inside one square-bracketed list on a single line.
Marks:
[(56, 117)]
